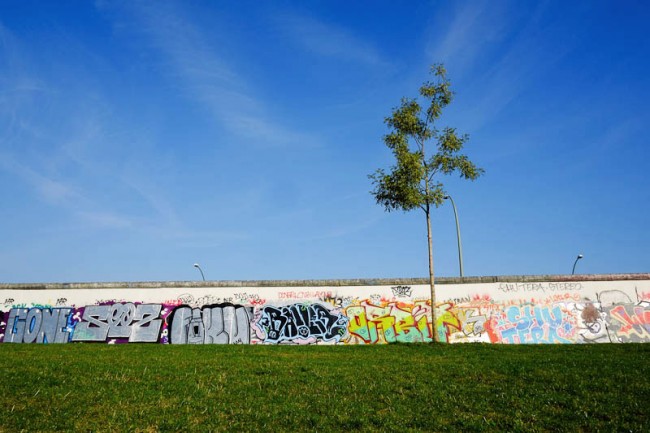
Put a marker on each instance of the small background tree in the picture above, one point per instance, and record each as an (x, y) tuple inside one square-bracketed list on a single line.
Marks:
[(413, 182)]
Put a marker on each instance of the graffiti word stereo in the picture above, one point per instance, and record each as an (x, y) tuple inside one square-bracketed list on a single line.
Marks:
[(538, 287)]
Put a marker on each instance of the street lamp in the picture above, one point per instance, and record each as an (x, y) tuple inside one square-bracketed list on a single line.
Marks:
[(196, 265), (575, 263), (460, 244)]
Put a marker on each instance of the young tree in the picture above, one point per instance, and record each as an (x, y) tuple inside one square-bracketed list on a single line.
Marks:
[(413, 182)]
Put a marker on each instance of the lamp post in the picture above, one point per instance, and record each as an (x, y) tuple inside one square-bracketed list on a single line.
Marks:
[(575, 263), (460, 244), (196, 265)]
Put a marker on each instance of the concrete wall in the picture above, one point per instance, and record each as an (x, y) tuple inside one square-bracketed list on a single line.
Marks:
[(510, 310)]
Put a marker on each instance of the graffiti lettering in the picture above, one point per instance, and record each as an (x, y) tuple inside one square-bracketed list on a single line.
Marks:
[(446, 322), (212, 324), (576, 311), (186, 298), (389, 323), (138, 323), (474, 324), (251, 298), (303, 295), (532, 324), (38, 325), (401, 291), (207, 300), (538, 287), (337, 301), (300, 323), (630, 323)]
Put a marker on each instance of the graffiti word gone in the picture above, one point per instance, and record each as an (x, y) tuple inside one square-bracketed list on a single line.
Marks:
[(38, 325)]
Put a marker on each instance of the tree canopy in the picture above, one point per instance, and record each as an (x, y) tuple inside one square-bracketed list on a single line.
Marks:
[(412, 182)]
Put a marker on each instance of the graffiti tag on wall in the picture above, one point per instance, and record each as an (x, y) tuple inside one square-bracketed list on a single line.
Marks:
[(212, 324), (537, 313), (39, 325), (300, 323), (389, 323), (532, 324), (137, 323), (630, 323)]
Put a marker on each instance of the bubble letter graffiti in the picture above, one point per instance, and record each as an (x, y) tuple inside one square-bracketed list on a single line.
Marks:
[(38, 325), (300, 323), (214, 324)]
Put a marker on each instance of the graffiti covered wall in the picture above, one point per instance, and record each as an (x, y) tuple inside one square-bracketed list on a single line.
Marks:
[(517, 310)]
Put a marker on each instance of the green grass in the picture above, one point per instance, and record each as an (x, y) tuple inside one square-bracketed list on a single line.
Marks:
[(471, 387)]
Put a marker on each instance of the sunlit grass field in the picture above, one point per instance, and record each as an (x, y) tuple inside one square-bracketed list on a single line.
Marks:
[(418, 387)]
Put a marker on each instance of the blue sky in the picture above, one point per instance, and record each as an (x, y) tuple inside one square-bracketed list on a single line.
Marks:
[(137, 138)]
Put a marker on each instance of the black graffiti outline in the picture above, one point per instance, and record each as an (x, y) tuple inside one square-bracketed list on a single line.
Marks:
[(301, 321)]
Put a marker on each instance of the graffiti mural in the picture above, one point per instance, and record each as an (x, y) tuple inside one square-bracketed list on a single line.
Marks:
[(593, 324), (39, 325), (630, 323), (212, 324), (401, 291), (473, 328), (128, 321), (532, 324), (390, 322), (548, 312), (301, 324)]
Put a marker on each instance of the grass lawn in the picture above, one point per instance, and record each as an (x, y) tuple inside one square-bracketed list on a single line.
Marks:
[(417, 387)]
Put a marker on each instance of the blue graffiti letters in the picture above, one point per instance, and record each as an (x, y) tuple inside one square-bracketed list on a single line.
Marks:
[(40, 325)]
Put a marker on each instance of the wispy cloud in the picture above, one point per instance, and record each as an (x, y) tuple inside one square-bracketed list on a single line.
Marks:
[(193, 57), (53, 139), (153, 196), (49, 189), (205, 238), (330, 40), (107, 220), (479, 31), (460, 39)]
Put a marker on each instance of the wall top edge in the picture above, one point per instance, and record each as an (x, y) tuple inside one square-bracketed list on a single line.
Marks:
[(323, 283)]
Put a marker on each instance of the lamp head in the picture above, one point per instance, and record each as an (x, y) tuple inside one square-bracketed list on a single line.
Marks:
[(580, 256), (445, 197), (196, 265)]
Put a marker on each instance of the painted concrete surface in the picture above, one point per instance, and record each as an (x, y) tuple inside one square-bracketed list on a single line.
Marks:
[(506, 310)]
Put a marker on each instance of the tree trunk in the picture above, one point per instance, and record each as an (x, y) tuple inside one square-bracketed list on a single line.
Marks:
[(433, 289)]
